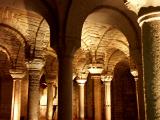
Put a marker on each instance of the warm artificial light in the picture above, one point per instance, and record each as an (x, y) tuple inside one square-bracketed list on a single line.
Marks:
[(43, 98)]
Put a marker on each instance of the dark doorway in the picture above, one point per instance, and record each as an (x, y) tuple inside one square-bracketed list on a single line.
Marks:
[(123, 93)]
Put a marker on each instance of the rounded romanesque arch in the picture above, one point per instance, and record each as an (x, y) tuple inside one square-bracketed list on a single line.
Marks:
[(111, 13), (4, 50), (108, 32), (49, 11), (11, 36)]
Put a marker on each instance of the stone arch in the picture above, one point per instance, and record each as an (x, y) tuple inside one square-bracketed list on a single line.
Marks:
[(11, 37), (115, 56), (80, 62), (126, 22), (43, 8), (51, 66), (19, 35), (50, 12), (33, 26), (4, 50)]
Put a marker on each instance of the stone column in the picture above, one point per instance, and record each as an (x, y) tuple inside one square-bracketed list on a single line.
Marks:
[(35, 71), (135, 74), (107, 82), (65, 87), (81, 83), (16, 94), (97, 97), (50, 97), (149, 21)]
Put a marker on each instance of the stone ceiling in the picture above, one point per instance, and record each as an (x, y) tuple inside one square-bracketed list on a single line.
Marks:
[(98, 40), (19, 27)]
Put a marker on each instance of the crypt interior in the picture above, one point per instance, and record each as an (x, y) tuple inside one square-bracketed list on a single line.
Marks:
[(79, 60)]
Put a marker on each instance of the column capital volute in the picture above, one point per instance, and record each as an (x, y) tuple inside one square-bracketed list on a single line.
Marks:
[(35, 64), (17, 74), (106, 78)]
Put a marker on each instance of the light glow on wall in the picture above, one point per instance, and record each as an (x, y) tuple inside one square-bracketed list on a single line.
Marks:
[(43, 98)]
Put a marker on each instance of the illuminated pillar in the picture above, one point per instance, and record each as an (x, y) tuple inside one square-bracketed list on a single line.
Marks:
[(16, 94), (50, 97), (65, 87), (149, 21), (81, 83), (97, 97), (135, 74), (35, 70), (107, 82)]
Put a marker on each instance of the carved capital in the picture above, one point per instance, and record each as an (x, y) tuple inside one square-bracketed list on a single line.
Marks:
[(17, 74), (106, 78), (82, 75), (81, 81), (36, 64), (134, 73)]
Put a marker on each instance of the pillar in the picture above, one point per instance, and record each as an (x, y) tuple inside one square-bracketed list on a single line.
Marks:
[(97, 97), (107, 82), (65, 87), (135, 74), (149, 21), (50, 97), (81, 83), (35, 71), (16, 94)]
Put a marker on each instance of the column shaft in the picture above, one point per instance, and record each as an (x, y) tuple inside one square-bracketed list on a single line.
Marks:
[(137, 97), (16, 100), (13, 100), (34, 95), (151, 60), (65, 88), (108, 100), (97, 97), (50, 92), (81, 101)]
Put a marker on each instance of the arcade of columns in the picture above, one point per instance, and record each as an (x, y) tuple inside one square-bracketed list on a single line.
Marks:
[(103, 45)]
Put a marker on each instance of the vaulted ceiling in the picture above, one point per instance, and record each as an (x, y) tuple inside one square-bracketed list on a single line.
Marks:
[(28, 30), (100, 41)]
